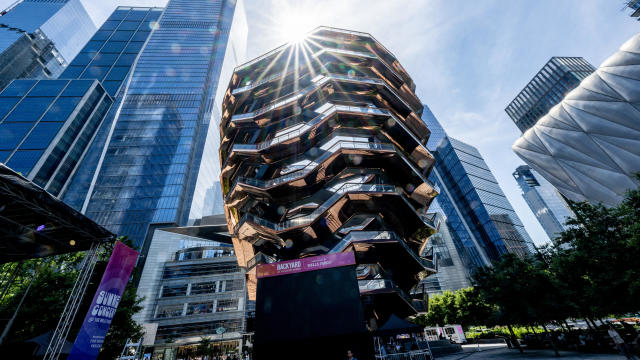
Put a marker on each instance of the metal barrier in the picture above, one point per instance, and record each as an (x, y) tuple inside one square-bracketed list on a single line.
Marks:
[(412, 355)]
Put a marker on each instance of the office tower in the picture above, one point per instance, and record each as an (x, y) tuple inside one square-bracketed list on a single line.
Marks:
[(47, 125), (476, 223), (325, 154), (157, 163), (634, 7), (474, 198), (59, 119), (38, 37), (556, 78), (108, 57), (437, 131), (544, 200), (192, 288), (453, 261), (453, 271), (588, 146)]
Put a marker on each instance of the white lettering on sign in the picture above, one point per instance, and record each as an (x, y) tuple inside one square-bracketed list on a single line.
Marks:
[(290, 265), (106, 305)]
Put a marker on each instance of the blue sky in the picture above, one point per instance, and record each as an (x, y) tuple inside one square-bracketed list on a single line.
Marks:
[(468, 58)]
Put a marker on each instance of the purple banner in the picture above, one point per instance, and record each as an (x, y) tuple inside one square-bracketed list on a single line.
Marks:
[(305, 264), (104, 304)]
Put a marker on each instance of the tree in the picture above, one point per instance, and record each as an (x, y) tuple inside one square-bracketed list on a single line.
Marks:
[(48, 295), (473, 309), (464, 306), (519, 288), (599, 255)]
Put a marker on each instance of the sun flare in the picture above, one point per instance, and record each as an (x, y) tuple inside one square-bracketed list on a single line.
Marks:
[(294, 23)]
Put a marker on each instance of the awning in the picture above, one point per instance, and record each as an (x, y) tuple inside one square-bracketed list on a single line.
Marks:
[(396, 325)]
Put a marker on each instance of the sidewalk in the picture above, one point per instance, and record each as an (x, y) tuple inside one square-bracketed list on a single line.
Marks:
[(500, 351)]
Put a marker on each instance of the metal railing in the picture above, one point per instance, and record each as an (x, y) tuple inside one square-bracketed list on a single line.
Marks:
[(259, 258), (307, 219), (355, 236), (306, 169), (306, 126), (379, 284), (411, 355), (316, 83)]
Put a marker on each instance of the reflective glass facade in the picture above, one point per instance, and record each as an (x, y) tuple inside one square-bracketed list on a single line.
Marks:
[(38, 37), (113, 68), (452, 228), (437, 132), (28, 56), (477, 201), (544, 200), (452, 262), (46, 126), (634, 7), (112, 51), (149, 170), (557, 77)]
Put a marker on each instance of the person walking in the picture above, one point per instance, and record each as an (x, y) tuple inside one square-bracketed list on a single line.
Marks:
[(350, 355), (619, 342)]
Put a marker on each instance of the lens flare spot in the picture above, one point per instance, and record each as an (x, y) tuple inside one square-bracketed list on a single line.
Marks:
[(288, 244), (423, 163), (176, 48), (153, 25), (391, 122), (40, 228)]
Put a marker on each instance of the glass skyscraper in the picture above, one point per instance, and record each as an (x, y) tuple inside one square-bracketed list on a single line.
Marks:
[(109, 57), (496, 227), (544, 200), (38, 37), (111, 52), (149, 170), (48, 128), (634, 6), (547, 88), (47, 125), (479, 219)]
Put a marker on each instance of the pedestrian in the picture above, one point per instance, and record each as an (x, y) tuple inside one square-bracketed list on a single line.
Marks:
[(619, 342), (350, 355)]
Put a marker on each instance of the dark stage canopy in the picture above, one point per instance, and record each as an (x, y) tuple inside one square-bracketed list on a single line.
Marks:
[(34, 223), (396, 325)]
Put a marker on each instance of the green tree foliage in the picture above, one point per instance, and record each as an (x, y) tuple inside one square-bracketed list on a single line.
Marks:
[(48, 295), (591, 271), (465, 306), (473, 309)]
